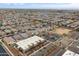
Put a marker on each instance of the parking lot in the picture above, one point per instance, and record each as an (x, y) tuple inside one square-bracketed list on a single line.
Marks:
[(2, 51)]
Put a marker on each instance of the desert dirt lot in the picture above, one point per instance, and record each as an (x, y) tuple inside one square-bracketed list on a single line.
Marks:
[(62, 31)]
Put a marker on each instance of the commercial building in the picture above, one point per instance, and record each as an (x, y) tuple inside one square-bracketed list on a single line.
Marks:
[(26, 44), (9, 40), (70, 53)]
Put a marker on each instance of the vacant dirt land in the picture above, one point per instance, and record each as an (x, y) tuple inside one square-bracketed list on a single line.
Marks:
[(62, 31)]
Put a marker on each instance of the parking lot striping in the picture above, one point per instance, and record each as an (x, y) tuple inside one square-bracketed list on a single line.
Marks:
[(40, 48)]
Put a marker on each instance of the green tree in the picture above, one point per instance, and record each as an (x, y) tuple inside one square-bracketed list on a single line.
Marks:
[(1, 23)]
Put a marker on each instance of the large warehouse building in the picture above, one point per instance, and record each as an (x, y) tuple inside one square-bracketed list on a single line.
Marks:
[(70, 53), (26, 44)]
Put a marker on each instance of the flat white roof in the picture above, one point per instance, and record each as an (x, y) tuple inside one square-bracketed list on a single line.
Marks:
[(70, 53), (26, 43)]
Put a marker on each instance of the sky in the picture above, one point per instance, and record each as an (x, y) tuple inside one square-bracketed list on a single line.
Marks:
[(40, 5)]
